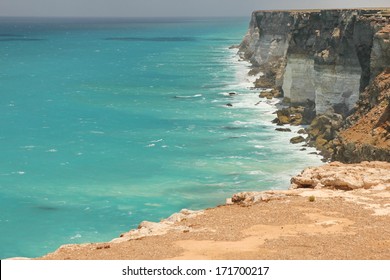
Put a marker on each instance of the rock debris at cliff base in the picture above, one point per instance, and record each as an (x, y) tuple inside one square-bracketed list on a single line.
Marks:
[(336, 211), (336, 59)]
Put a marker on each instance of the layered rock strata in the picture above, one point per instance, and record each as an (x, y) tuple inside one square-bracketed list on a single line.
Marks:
[(366, 134), (338, 60), (327, 56)]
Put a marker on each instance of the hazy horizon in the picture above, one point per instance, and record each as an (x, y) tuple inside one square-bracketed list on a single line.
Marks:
[(167, 8)]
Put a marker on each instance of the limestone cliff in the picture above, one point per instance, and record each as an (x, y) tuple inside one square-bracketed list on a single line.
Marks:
[(366, 135), (327, 56), (337, 59)]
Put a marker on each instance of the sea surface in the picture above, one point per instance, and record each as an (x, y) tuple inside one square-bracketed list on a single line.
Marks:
[(105, 123)]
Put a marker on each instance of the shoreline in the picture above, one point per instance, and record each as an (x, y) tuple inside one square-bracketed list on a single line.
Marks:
[(299, 223), (150, 228)]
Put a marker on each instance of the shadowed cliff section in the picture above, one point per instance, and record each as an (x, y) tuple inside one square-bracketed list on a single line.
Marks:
[(328, 57)]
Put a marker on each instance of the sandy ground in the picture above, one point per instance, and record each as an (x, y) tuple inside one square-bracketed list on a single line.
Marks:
[(336, 225)]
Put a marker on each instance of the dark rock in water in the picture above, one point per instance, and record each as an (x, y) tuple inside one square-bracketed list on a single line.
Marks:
[(232, 93), (302, 131), (275, 92), (254, 71), (297, 139), (296, 115), (46, 208), (229, 105), (232, 127), (283, 129), (303, 149), (266, 94)]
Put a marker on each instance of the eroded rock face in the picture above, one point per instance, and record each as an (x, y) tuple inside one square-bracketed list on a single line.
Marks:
[(340, 61), (366, 135), (323, 130), (324, 55)]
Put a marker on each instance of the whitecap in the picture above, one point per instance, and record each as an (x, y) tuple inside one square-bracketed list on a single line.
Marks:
[(52, 151), (76, 236), (255, 172), (96, 132), (28, 147), (188, 96), (153, 204), (259, 146)]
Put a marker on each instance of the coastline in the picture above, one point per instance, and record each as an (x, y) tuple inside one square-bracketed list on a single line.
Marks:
[(286, 224), (306, 222), (148, 229), (241, 140)]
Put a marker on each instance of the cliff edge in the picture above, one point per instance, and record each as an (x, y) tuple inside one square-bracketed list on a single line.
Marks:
[(331, 63), (325, 215)]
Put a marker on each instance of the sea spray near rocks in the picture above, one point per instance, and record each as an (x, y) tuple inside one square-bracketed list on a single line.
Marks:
[(337, 60), (91, 127)]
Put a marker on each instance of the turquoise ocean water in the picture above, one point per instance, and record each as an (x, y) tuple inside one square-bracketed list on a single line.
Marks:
[(105, 123)]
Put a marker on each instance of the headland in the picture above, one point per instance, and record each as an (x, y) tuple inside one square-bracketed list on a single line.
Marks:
[(331, 69)]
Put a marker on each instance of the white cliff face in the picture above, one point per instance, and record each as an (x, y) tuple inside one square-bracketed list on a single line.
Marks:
[(324, 56), (262, 47), (336, 85), (380, 53), (326, 85), (298, 79)]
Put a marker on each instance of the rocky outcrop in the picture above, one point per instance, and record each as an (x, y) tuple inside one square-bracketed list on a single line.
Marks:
[(323, 130), (337, 59), (323, 55), (147, 228), (336, 175), (366, 135), (296, 115), (330, 204)]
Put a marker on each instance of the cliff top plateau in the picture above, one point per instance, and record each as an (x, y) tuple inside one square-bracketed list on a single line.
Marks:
[(337, 61), (336, 211)]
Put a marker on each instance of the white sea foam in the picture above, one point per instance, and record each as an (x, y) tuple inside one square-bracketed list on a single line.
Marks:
[(152, 204), (28, 147), (76, 236), (189, 96), (96, 132), (255, 172)]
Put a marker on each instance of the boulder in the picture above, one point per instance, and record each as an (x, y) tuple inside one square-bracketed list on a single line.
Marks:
[(297, 139), (336, 175), (283, 129)]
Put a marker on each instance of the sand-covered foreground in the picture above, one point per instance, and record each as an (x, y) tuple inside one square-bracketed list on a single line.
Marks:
[(330, 221)]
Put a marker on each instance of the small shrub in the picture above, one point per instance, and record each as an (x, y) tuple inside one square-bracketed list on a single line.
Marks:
[(312, 198)]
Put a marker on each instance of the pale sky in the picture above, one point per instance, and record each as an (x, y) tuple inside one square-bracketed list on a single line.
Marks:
[(165, 8)]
